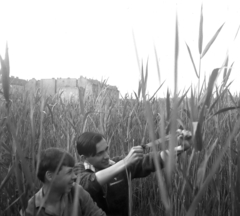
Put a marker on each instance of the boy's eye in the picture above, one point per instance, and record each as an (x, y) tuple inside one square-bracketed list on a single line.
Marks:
[(102, 152), (99, 153), (70, 171)]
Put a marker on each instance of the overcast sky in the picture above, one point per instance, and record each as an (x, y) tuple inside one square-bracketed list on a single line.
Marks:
[(53, 39)]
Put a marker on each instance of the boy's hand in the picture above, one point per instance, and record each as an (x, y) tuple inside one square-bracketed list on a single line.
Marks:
[(184, 139), (135, 154)]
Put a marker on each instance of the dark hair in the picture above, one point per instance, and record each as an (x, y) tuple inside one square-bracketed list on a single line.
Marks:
[(86, 143), (50, 159)]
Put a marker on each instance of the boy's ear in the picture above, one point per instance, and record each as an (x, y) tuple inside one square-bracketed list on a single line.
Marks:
[(49, 176), (83, 158)]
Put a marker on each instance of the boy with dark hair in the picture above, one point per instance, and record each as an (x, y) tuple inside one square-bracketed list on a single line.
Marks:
[(56, 197), (107, 182)]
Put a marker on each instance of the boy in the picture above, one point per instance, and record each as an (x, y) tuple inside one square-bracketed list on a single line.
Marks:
[(106, 182), (56, 197)]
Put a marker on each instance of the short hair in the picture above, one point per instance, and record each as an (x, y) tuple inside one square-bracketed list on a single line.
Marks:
[(86, 143), (50, 159)]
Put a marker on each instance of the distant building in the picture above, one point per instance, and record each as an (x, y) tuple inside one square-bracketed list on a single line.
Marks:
[(70, 87), (96, 88)]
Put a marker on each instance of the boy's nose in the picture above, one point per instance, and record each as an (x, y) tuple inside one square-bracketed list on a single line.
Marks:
[(74, 177), (106, 155)]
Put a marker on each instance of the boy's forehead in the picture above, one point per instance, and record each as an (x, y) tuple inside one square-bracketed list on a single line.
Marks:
[(101, 146), (65, 169)]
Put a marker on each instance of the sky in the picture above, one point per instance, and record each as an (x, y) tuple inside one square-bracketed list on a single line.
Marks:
[(94, 39)]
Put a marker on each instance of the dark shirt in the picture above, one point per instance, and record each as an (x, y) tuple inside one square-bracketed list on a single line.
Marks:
[(85, 205), (113, 197)]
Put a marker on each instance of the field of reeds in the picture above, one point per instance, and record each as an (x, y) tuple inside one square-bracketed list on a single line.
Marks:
[(202, 181)]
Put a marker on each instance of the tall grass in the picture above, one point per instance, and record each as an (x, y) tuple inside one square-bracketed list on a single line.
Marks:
[(202, 181), (126, 119)]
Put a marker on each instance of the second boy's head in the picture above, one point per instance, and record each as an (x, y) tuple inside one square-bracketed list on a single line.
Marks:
[(56, 169), (94, 148)]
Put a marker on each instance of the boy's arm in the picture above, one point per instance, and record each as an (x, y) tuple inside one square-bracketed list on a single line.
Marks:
[(178, 151), (88, 206), (184, 143), (105, 175), (87, 179), (144, 167), (92, 181), (30, 210)]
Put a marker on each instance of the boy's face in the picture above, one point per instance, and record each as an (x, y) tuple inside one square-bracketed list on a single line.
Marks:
[(64, 179), (101, 159)]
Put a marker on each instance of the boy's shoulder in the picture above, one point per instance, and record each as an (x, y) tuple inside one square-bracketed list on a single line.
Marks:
[(33, 203), (36, 200), (79, 189)]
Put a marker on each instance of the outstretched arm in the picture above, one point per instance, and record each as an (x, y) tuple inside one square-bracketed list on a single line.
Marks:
[(136, 157), (105, 175), (146, 166), (184, 143)]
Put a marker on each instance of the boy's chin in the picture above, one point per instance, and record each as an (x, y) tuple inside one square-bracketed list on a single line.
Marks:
[(68, 189), (103, 166)]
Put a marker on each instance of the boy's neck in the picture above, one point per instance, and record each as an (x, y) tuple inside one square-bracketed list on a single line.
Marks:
[(96, 169), (52, 195)]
